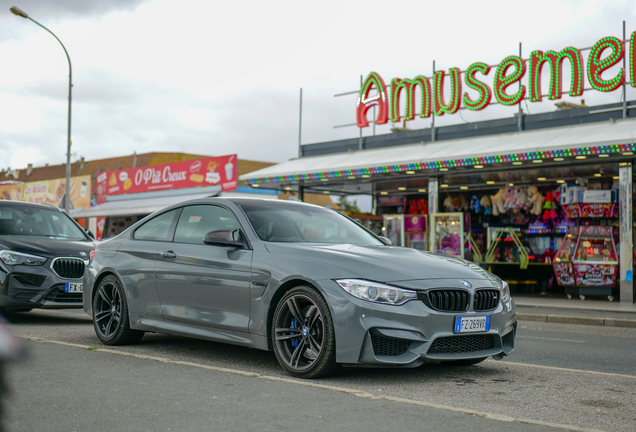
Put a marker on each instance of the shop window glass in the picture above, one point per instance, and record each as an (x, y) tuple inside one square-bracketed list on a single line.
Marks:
[(158, 228), (196, 221)]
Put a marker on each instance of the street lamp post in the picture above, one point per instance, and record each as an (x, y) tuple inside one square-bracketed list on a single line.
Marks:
[(67, 194)]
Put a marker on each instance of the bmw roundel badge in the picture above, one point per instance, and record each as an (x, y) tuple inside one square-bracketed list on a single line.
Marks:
[(465, 283), (83, 254)]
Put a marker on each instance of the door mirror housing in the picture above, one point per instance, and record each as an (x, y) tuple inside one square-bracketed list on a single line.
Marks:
[(387, 241), (225, 237), (90, 233)]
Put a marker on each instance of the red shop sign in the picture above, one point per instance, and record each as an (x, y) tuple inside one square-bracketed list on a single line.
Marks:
[(221, 170)]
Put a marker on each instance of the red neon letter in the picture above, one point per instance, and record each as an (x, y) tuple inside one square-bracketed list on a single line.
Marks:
[(596, 66), (502, 81), (409, 86), (537, 59), (632, 59), (365, 102), (456, 89), (485, 93)]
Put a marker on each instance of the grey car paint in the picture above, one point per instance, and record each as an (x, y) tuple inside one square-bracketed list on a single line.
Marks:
[(248, 292)]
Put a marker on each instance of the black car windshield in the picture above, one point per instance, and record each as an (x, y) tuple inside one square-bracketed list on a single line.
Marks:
[(280, 222), (27, 220)]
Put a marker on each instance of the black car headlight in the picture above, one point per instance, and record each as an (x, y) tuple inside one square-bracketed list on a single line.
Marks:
[(15, 258), (376, 292)]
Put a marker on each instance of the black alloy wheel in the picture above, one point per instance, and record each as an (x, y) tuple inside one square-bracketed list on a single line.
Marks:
[(303, 335), (110, 314)]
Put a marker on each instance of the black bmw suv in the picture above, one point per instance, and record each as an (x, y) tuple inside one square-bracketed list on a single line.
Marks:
[(43, 254)]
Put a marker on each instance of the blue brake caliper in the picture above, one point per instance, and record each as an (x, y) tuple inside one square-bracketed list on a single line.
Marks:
[(294, 325)]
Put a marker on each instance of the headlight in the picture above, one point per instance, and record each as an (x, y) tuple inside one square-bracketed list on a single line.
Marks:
[(376, 292), (505, 292), (15, 258)]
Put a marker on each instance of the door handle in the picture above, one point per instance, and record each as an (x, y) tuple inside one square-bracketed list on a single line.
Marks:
[(168, 254)]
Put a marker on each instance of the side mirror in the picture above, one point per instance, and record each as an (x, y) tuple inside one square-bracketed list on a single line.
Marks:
[(90, 233), (387, 241), (224, 237)]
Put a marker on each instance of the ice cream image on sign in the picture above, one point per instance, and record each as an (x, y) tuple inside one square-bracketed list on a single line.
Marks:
[(229, 169)]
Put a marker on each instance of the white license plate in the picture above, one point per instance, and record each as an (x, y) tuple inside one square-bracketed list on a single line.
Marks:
[(73, 287), (472, 324)]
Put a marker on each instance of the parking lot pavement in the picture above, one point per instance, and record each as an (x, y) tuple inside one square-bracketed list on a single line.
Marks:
[(66, 388)]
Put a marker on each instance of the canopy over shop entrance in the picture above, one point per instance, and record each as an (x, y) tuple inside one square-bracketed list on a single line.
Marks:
[(342, 172)]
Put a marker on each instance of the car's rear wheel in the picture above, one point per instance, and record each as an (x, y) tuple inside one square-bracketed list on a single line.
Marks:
[(110, 314), (303, 335)]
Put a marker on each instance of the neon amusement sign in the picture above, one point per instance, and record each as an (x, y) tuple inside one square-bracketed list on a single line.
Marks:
[(511, 70)]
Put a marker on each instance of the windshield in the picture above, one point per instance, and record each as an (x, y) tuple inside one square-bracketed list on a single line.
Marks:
[(25, 220), (305, 224)]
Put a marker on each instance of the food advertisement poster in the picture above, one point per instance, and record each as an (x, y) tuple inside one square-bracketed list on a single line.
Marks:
[(53, 191), (221, 170), (12, 191)]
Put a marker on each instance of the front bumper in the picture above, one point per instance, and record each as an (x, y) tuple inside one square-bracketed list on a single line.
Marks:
[(411, 334), (29, 287)]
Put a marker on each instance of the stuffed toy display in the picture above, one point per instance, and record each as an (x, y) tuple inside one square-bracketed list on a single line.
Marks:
[(535, 200), (549, 213), (509, 198), (486, 205), (521, 199), (498, 202)]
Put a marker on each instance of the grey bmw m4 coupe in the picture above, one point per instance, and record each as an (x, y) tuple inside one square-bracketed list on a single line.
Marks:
[(312, 285)]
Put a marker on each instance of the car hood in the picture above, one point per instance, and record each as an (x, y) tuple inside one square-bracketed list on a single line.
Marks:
[(383, 263), (46, 247)]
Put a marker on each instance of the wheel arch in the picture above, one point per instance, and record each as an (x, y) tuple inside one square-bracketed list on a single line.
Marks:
[(280, 292), (99, 280)]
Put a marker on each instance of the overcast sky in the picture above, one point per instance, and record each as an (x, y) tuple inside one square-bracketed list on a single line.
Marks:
[(218, 78)]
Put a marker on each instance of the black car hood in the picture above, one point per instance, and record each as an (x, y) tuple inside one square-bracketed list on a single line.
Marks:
[(382, 263), (46, 246)]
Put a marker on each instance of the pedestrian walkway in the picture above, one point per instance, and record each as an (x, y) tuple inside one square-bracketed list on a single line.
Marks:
[(575, 311)]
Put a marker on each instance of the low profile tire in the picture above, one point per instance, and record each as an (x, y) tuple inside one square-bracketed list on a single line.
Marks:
[(303, 335), (110, 314), (467, 362)]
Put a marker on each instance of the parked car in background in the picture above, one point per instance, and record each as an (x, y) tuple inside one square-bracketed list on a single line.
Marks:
[(43, 255), (310, 284)]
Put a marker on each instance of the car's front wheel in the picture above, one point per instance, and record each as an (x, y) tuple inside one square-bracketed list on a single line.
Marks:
[(110, 314), (303, 335)]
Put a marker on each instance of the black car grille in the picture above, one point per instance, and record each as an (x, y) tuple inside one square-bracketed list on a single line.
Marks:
[(385, 346), (69, 268), (448, 300), (462, 344), (486, 299), (58, 295), (28, 279)]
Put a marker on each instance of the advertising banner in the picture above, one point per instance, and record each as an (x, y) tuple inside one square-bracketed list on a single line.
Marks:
[(53, 191), (12, 191), (221, 170)]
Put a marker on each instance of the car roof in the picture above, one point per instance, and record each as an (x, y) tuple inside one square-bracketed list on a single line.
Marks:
[(9, 203), (242, 201)]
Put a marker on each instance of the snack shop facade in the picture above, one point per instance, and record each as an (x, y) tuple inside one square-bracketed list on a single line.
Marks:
[(542, 200)]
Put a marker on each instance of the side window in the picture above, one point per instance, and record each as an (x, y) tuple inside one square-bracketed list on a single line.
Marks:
[(196, 221), (157, 228)]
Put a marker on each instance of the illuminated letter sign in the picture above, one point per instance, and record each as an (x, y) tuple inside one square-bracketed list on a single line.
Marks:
[(485, 92), (365, 102), (397, 85), (502, 81), (456, 88), (538, 58), (596, 66)]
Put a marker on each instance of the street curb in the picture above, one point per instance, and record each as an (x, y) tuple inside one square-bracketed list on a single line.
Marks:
[(565, 319)]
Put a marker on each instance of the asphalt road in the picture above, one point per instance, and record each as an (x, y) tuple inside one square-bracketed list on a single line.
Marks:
[(568, 376)]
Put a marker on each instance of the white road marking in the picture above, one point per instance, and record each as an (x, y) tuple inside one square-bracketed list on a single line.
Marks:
[(550, 339), (353, 392)]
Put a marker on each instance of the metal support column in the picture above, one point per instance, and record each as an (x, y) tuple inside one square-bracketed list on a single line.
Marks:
[(433, 201), (300, 124), (360, 142), (433, 113), (519, 120), (301, 192), (626, 244), (624, 72)]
